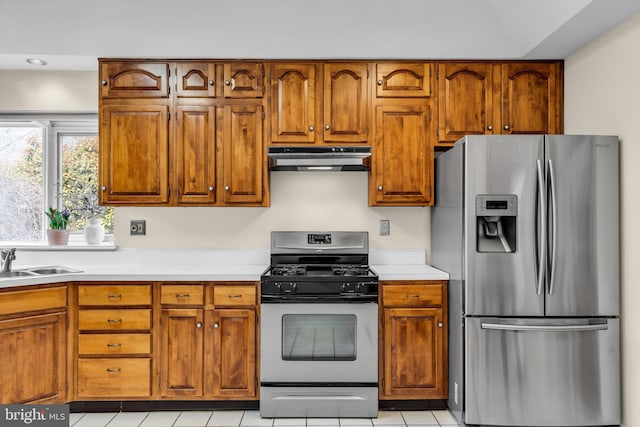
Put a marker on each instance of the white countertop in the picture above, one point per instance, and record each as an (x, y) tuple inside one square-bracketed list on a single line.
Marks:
[(195, 265)]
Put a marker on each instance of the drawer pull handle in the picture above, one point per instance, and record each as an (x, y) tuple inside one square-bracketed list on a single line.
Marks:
[(113, 370), (116, 345), (235, 296), (182, 295), (114, 296), (413, 296), (114, 320)]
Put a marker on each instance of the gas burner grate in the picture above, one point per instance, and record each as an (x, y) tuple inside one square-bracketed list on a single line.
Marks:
[(289, 270), (349, 270)]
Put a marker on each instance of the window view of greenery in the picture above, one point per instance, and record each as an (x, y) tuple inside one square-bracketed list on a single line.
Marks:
[(80, 182), (27, 188), (21, 183)]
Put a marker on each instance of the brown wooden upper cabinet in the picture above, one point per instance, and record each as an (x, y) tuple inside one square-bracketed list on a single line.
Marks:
[(196, 80), (196, 154), (403, 80), (315, 103), (478, 98), (242, 153), (402, 169), (131, 135), (295, 103), (134, 80), (346, 103), (244, 80)]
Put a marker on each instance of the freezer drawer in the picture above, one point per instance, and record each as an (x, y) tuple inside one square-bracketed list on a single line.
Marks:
[(542, 372)]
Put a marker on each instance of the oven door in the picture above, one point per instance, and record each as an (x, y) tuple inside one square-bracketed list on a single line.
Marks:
[(318, 343)]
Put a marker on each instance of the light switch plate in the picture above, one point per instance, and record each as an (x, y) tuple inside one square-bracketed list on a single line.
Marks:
[(385, 227)]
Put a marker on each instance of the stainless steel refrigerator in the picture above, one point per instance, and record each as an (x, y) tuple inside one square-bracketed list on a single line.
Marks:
[(527, 227)]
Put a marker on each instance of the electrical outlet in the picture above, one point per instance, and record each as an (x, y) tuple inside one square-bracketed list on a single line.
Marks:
[(385, 227), (138, 227)]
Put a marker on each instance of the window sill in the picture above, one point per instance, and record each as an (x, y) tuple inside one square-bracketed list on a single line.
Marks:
[(72, 246)]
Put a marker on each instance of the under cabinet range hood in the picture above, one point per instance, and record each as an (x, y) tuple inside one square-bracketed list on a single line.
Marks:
[(329, 158)]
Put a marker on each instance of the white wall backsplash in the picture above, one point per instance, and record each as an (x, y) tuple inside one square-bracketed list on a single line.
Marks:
[(602, 84), (299, 201)]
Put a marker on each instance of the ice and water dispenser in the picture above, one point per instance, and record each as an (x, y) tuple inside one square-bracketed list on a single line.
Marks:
[(496, 218)]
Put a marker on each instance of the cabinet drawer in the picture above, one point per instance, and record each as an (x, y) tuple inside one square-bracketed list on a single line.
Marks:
[(37, 299), (114, 344), (114, 295), (234, 295), (127, 319), (114, 377), (182, 295), (412, 295)]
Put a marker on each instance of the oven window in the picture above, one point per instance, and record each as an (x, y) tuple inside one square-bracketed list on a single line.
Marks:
[(319, 337)]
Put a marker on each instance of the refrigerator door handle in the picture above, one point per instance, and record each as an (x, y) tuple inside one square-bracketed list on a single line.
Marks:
[(542, 238), (554, 218), (539, 328)]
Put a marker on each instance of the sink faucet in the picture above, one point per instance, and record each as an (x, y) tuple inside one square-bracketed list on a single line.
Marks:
[(6, 257)]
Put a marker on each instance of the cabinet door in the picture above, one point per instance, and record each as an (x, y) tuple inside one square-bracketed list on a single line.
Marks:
[(346, 103), (33, 359), (196, 154), (243, 154), (134, 155), (182, 351), (134, 80), (243, 80), (530, 98), (466, 101), (293, 103), (403, 80), (195, 79), (403, 159), (414, 364), (233, 353)]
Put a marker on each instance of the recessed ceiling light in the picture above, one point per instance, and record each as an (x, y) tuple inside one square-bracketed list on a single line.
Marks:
[(36, 61)]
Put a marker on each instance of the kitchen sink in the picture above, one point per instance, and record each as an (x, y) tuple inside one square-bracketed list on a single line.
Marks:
[(16, 274), (52, 270), (39, 271)]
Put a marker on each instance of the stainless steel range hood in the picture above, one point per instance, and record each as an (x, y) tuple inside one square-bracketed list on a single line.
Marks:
[(319, 158)]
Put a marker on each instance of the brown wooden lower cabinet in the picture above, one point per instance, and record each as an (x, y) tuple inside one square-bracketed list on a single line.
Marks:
[(413, 340), (209, 351), (33, 359)]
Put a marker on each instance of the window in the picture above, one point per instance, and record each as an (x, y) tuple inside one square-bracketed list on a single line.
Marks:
[(48, 161)]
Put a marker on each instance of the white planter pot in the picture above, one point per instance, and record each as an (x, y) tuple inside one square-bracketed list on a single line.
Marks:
[(94, 232)]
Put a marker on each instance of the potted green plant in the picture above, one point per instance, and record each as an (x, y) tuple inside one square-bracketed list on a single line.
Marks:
[(86, 210), (58, 234)]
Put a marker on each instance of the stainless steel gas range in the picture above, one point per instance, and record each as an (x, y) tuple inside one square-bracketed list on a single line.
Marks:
[(319, 327)]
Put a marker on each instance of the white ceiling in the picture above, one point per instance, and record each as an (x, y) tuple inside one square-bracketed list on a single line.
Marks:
[(72, 34)]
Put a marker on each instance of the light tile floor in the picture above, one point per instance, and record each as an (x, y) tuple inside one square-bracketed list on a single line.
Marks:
[(252, 419)]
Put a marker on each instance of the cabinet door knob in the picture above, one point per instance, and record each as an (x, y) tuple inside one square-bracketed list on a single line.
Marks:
[(379, 187), (103, 82), (103, 188), (327, 127), (440, 324), (216, 325), (227, 188), (211, 188), (199, 325), (490, 127), (506, 127), (210, 82), (311, 128), (227, 82), (379, 82)]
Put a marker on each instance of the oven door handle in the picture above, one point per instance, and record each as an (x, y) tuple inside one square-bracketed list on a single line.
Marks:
[(348, 298)]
